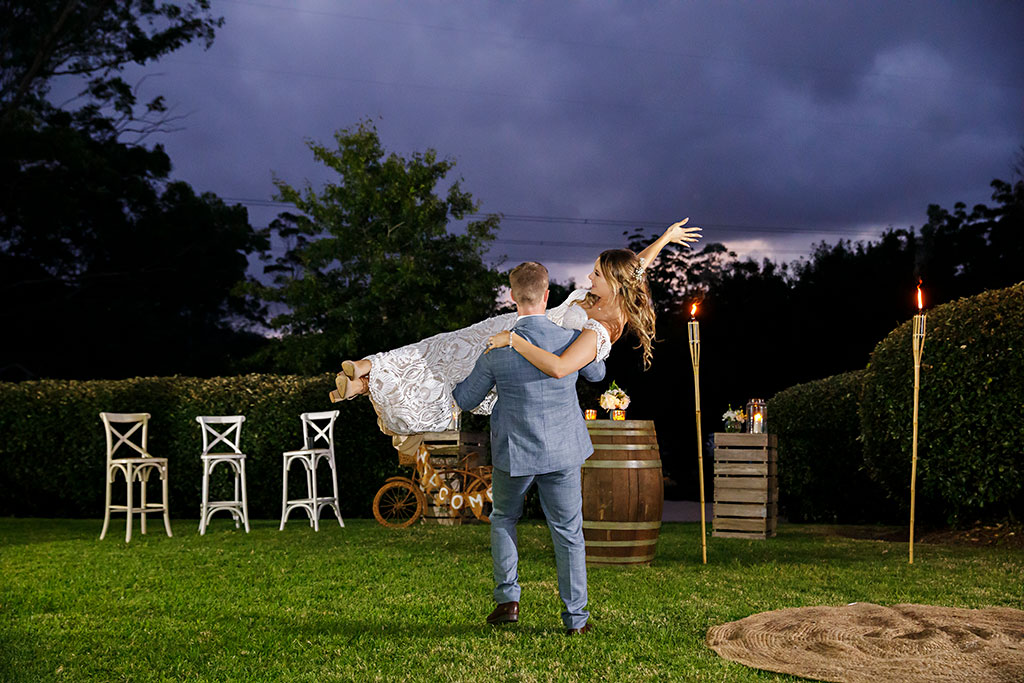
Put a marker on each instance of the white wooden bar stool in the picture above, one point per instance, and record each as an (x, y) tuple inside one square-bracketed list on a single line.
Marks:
[(226, 429), (317, 445), (124, 426)]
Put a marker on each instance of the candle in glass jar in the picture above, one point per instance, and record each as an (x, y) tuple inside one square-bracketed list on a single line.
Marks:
[(590, 414)]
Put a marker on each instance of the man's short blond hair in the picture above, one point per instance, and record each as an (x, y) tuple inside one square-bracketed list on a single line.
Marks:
[(529, 282)]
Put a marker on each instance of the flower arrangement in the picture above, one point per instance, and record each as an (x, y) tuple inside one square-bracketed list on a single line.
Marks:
[(614, 398), (734, 420)]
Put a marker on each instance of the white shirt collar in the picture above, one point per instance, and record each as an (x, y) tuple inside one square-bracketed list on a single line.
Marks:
[(531, 315)]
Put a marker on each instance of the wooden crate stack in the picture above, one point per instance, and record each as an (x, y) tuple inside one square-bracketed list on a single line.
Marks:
[(746, 486), (449, 449)]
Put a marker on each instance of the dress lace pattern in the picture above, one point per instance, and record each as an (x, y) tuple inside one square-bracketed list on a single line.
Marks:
[(411, 386)]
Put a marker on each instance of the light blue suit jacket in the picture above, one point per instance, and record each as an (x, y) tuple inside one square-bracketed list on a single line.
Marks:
[(536, 425)]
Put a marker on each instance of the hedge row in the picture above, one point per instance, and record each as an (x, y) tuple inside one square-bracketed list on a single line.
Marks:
[(971, 416), (821, 461), (845, 441), (52, 449)]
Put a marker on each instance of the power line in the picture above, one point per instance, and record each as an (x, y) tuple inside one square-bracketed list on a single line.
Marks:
[(602, 222)]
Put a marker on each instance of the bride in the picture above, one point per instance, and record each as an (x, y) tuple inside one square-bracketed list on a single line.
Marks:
[(411, 387)]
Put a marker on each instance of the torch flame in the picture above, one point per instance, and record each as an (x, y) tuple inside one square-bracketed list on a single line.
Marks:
[(920, 298), (693, 311)]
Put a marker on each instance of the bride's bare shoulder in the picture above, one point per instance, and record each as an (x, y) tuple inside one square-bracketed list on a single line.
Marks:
[(614, 327)]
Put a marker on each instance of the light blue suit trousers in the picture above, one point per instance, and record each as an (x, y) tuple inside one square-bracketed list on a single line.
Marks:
[(538, 435), (562, 503)]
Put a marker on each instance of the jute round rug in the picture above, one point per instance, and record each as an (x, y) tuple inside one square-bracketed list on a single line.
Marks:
[(866, 643)]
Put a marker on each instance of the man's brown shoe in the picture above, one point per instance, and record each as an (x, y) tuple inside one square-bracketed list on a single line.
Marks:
[(504, 613), (578, 631)]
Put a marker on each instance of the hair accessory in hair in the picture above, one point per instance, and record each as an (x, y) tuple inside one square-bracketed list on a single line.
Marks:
[(638, 272)]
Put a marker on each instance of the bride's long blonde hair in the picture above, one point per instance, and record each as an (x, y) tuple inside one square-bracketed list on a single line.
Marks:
[(620, 269)]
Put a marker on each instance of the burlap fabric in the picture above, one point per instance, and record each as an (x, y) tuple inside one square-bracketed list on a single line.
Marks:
[(866, 643)]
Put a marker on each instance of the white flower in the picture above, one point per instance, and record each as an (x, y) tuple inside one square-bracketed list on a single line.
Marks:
[(614, 398)]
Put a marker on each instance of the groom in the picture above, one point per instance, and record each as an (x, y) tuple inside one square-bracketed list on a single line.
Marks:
[(537, 436)]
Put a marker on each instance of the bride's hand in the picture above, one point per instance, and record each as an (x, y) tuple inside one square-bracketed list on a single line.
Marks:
[(499, 340), (680, 233)]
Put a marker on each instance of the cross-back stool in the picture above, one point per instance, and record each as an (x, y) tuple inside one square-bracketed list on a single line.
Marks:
[(318, 445), (226, 430), (123, 427)]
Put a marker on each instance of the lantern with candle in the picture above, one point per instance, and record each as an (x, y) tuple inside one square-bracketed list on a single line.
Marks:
[(757, 413)]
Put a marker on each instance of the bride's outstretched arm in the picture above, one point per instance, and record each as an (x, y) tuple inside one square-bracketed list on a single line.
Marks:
[(578, 354), (679, 233)]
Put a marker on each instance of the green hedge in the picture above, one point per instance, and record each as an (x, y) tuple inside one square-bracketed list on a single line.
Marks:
[(52, 450), (971, 419), (821, 460)]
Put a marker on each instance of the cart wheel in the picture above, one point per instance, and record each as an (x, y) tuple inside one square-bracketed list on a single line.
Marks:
[(480, 486), (398, 504)]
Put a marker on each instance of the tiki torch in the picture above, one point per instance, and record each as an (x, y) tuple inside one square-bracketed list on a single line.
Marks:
[(918, 346), (693, 328)]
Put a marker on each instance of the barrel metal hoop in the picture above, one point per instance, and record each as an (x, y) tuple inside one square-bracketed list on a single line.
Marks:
[(621, 544), (614, 526), (625, 446), (622, 464), (636, 559)]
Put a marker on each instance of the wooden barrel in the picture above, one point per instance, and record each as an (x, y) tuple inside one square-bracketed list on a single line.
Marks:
[(623, 492)]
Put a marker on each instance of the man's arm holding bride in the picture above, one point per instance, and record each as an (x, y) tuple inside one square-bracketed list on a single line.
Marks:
[(471, 391), (578, 357)]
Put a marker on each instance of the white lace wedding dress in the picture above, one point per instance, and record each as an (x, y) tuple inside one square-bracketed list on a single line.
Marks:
[(411, 387)]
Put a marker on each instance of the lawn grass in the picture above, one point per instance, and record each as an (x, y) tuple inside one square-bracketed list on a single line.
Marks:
[(369, 603)]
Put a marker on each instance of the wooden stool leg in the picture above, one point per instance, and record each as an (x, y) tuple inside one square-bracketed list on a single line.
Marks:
[(237, 499), (245, 498), (205, 502), (164, 478), (284, 494), (315, 506), (143, 480), (106, 509), (337, 501), (128, 517)]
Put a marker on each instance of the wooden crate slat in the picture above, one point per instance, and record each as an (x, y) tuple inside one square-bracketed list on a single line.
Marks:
[(738, 524), (740, 482), (741, 510), (741, 454), (742, 440), (762, 469), (722, 533), (742, 495)]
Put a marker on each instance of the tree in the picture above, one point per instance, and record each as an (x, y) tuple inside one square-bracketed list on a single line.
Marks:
[(107, 268), (95, 40), (963, 253), (369, 262), (765, 327)]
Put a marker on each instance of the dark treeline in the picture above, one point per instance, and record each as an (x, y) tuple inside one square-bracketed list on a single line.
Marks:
[(108, 268), (765, 326)]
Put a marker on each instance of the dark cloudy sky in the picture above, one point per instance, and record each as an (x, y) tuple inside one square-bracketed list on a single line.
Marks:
[(772, 124)]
